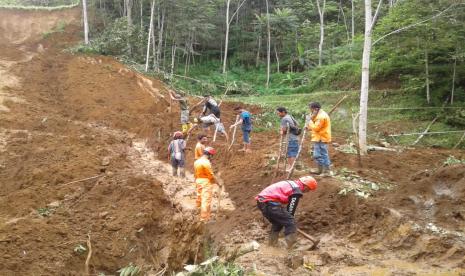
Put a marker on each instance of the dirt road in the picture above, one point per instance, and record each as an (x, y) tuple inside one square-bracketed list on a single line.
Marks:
[(65, 118)]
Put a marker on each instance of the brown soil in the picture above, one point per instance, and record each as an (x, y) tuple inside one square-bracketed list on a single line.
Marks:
[(79, 112)]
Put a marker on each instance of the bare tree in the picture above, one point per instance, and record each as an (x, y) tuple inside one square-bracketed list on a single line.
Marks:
[(321, 12), (353, 20), (229, 20), (370, 21), (150, 37), (268, 49), (86, 23)]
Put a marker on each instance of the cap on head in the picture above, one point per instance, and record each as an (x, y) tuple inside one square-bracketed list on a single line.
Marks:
[(177, 134), (209, 151), (309, 181), (314, 105)]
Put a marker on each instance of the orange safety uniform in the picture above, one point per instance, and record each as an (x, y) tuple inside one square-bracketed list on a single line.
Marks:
[(198, 152), (320, 126), (204, 179)]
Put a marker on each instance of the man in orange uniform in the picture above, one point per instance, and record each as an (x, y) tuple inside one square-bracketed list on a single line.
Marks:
[(320, 126), (201, 144), (204, 180)]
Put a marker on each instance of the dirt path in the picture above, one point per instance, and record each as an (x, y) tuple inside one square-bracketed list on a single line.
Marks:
[(66, 118)]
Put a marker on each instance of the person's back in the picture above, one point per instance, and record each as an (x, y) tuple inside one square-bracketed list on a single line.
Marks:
[(321, 132), (203, 168), (289, 120), (278, 192), (177, 148)]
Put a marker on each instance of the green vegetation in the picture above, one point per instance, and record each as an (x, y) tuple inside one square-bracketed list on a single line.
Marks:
[(44, 212), (130, 270), (390, 112), (38, 5)]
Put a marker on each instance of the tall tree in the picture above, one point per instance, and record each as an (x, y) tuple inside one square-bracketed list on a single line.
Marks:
[(150, 36), (370, 21), (321, 13), (86, 23)]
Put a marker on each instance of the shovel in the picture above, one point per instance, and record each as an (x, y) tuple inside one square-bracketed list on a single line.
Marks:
[(312, 239)]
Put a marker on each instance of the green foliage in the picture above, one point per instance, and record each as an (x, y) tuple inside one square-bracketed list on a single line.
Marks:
[(451, 160), (80, 249), (219, 269), (44, 212), (38, 4), (130, 270)]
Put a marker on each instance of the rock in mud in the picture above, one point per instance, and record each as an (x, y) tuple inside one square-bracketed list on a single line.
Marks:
[(106, 161)]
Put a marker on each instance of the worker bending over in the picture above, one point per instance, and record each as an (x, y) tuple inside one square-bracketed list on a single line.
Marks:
[(176, 154), (204, 180), (209, 120), (320, 127), (271, 203), (246, 121)]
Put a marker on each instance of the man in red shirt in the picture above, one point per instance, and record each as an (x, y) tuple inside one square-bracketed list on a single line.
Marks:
[(271, 203)]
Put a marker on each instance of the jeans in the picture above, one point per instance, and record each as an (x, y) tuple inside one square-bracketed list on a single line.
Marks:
[(292, 148), (246, 136), (320, 154), (279, 218)]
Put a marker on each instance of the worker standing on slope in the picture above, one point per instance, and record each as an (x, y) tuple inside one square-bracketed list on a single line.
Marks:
[(210, 112), (270, 201), (204, 180), (294, 131), (176, 154), (186, 125), (320, 126), (246, 122), (200, 146)]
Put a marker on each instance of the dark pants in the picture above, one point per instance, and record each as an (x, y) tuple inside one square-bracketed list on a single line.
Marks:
[(279, 218)]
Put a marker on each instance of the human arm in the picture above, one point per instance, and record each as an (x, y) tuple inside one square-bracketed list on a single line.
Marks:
[(293, 202), (316, 125)]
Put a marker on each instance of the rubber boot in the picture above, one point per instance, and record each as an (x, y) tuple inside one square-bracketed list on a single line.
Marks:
[(291, 239), (318, 170), (175, 171), (326, 172), (273, 240), (182, 172)]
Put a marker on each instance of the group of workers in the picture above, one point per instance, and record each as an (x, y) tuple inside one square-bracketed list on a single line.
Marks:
[(278, 201)]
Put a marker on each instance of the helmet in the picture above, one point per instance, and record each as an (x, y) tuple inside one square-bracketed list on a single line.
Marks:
[(177, 134), (308, 181), (209, 151)]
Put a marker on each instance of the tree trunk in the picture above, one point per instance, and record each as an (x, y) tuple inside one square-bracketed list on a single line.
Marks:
[(362, 128), (173, 56), (160, 39), (428, 96), (453, 82), (141, 14), (86, 23), (321, 12), (277, 57), (353, 20), (150, 37), (268, 50), (226, 37), (129, 11), (345, 21), (257, 60)]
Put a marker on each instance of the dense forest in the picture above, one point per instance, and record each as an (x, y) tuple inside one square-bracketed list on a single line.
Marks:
[(288, 46)]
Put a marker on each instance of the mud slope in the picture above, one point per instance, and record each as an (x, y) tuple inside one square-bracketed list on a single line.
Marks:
[(67, 118)]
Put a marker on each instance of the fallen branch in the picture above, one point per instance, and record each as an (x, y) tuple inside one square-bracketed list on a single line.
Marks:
[(234, 133), (89, 255), (429, 133), (84, 179), (376, 148), (337, 104), (460, 141), (425, 131)]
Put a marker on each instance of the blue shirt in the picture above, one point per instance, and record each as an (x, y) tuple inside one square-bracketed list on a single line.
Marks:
[(246, 121)]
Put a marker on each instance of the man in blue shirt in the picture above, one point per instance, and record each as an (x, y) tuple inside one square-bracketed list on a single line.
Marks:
[(245, 119)]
